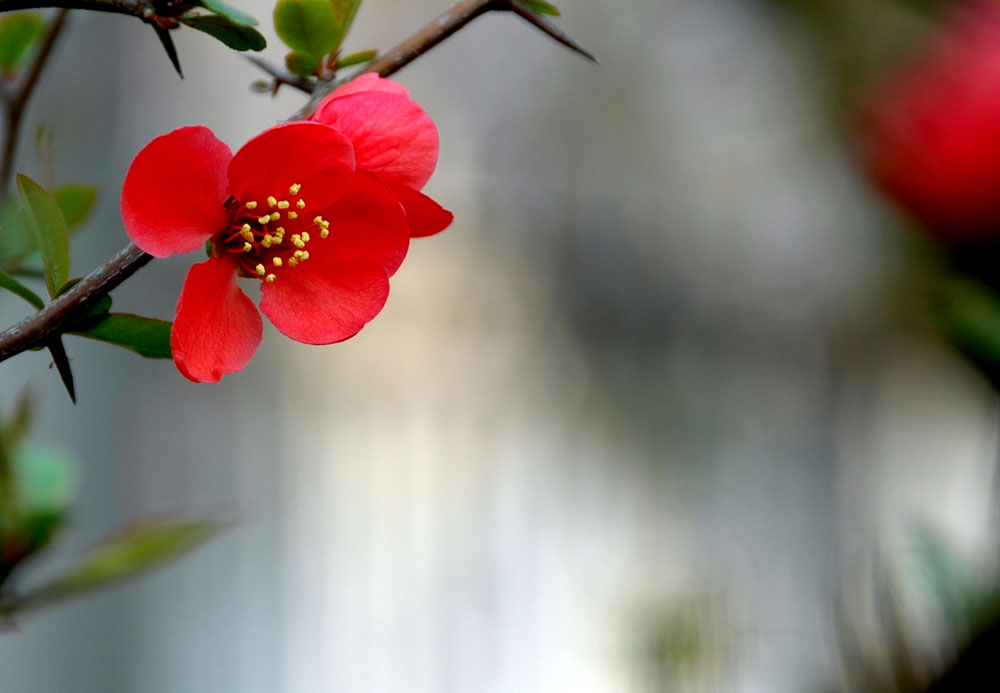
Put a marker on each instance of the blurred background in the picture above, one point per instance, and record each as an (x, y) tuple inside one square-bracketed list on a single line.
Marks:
[(657, 412)]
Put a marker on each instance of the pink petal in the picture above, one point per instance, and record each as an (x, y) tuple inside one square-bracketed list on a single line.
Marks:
[(328, 298), (425, 216), (370, 82), (217, 328), (393, 137), (318, 158), (174, 191)]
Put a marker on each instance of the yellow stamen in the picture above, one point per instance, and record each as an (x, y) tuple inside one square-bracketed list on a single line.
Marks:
[(269, 279), (293, 215), (264, 219), (247, 247), (251, 205), (292, 261), (277, 261), (260, 269), (275, 216), (324, 233), (305, 236), (294, 190), (283, 204), (305, 255), (271, 201), (301, 204)]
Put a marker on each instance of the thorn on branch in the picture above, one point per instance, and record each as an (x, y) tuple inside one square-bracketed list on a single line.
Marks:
[(527, 14), (168, 46)]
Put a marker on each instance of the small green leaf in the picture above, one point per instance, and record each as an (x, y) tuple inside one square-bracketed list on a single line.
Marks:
[(237, 36), (357, 58), (344, 11), (134, 552), (16, 425), (301, 64), (49, 227), (17, 32), (75, 202), (234, 15), (542, 7), (307, 26), (8, 282), (145, 336)]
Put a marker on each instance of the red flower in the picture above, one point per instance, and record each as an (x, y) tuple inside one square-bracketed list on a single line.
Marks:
[(289, 209), (931, 138), (394, 139)]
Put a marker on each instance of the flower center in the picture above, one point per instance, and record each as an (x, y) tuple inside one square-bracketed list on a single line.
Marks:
[(265, 237)]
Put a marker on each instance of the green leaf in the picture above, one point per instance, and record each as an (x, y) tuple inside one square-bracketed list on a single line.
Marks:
[(357, 58), (234, 15), (16, 239), (542, 7), (145, 336), (134, 552), (49, 227), (307, 26), (75, 201), (237, 36), (301, 64), (16, 425), (8, 282), (44, 479), (344, 11), (17, 32)]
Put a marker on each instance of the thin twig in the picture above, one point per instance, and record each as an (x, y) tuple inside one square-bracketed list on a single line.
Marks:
[(16, 102), (282, 76), (38, 329)]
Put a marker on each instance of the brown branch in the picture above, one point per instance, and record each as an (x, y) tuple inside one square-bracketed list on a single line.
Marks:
[(38, 329), (143, 9), (16, 101), (282, 76)]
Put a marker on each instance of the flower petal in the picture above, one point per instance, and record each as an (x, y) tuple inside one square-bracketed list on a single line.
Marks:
[(370, 82), (217, 328), (393, 137), (174, 191), (317, 157), (327, 298), (425, 216), (369, 220)]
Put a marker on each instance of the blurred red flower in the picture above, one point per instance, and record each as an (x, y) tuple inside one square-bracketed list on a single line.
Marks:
[(289, 209), (931, 136), (394, 139)]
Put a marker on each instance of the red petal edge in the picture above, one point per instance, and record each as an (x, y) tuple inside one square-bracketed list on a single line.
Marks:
[(172, 198), (217, 328), (425, 216)]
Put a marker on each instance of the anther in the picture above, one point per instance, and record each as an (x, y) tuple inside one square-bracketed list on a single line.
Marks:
[(293, 215), (324, 233), (271, 200), (294, 190), (275, 216), (269, 279), (301, 204), (283, 204), (292, 261), (305, 236), (251, 205), (277, 261), (305, 255), (264, 219), (260, 269), (247, 247)]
